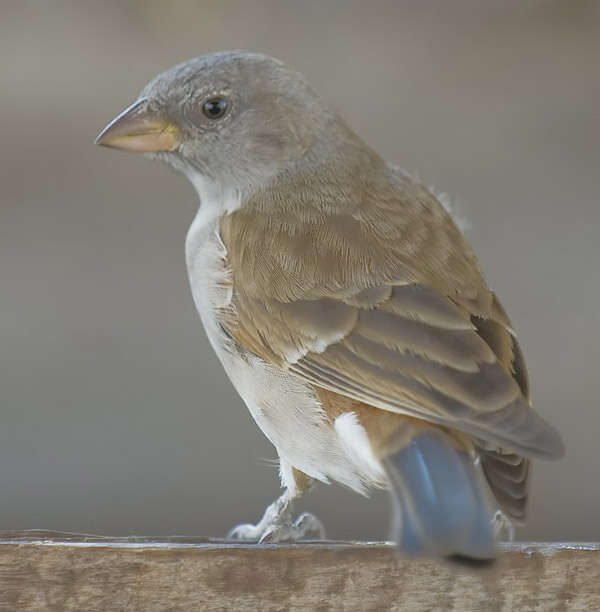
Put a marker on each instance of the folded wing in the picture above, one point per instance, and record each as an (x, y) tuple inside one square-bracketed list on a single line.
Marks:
[(398, 318)]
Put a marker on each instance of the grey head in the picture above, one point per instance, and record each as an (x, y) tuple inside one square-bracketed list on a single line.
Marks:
[(232, 118)]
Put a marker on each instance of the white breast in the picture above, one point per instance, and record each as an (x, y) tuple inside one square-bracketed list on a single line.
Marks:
[(284, 407)]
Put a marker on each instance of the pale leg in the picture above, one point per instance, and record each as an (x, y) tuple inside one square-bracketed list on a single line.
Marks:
[(277, 524)]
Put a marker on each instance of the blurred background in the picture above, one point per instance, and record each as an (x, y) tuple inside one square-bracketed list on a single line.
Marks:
[(115, 416)]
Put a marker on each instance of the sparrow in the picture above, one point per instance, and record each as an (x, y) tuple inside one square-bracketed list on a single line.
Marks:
[(346, 306)]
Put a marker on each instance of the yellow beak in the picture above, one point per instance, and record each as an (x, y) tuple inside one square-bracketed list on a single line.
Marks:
[(136, 130)]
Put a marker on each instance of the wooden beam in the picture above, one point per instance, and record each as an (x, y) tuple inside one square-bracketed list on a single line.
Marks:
[(63, 572)]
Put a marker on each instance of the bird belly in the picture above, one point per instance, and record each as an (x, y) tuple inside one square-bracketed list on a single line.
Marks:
[(286, 409), (291, 416)]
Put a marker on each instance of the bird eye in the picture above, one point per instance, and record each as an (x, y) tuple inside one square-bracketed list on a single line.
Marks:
[(215, 108)]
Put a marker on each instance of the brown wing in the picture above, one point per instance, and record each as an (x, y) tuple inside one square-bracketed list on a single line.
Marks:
[(382, 301)]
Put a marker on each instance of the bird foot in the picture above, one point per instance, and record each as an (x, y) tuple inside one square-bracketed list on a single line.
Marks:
[(299, 529), (277, 525), (503, 526), (280, 530)]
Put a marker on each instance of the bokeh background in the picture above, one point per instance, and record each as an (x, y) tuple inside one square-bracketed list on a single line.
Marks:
[(115, 416)]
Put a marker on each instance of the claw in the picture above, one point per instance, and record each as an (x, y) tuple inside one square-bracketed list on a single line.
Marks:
[(271, 534)]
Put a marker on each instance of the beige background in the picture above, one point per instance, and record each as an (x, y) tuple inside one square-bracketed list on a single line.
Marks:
[(115, 415)]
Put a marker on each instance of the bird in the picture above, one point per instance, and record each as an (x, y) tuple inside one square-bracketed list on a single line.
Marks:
[(347, 308)]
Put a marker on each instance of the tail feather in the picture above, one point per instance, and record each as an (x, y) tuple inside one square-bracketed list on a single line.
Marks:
[(441, 501), (508, 477)]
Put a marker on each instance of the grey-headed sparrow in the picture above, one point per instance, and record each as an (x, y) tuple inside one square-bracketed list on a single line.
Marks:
[(345, 305)]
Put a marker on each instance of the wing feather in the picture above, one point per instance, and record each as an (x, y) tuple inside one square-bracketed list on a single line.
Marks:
[(383, 301)]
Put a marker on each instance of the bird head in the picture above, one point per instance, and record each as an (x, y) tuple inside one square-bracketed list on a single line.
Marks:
[(228, 119)]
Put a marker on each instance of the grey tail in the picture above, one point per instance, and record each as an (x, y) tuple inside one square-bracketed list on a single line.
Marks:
[(441, 503)]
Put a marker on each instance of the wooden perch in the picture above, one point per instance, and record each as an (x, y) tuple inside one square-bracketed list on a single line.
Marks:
[(62, 572)]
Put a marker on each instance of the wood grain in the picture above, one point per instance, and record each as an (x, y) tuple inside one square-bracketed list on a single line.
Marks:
[(64, 572)]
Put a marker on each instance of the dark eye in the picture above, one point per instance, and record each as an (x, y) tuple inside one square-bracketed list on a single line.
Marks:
[(215, 108)]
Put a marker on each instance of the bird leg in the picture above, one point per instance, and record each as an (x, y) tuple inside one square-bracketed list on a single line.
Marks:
[(277, 523)]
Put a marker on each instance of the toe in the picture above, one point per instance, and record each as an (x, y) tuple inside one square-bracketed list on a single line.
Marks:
[(244, 532), (308, 523)]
